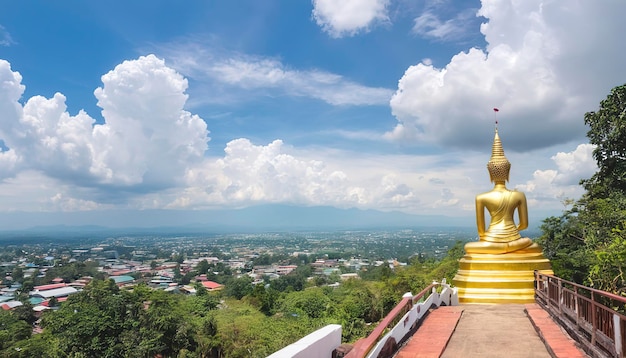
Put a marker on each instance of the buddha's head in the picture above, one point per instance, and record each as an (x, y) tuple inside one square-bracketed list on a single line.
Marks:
[(498, 165)]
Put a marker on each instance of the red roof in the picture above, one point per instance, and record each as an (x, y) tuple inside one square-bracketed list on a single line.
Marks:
[(210, 285), (51, 286), (46, 303), (120, 272)]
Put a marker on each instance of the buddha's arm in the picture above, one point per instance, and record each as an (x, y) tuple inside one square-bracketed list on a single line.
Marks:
[(522, 212), (480, 217)]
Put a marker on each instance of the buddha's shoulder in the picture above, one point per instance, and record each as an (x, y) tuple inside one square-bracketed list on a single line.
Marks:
[(500, 193), (517, 193)]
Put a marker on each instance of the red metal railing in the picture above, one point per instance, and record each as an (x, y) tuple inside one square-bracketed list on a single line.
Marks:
[(363, 346), (595, 317)]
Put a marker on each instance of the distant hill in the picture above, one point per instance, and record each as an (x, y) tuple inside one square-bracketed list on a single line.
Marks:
[(257, 218)]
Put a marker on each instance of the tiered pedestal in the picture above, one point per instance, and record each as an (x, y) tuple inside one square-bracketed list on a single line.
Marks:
[(504, 278)]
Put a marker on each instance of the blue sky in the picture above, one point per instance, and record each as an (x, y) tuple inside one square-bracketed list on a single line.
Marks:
[(368, 104)]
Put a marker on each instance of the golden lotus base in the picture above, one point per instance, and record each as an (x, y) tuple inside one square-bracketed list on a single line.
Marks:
[(505, 278)]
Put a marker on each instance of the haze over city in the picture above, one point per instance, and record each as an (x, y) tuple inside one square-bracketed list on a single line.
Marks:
[(160, 113)]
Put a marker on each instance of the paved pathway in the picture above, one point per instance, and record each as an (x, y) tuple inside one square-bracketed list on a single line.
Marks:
[(431, 338), (504, 330), (559, 344)]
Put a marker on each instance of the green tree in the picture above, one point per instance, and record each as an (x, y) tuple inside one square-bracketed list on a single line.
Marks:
[(607, 131), (565, 247), (25, 312), (38, 345), (265, 298), (12, 329), (312, 302), (587, 242), (28, 285), (104, 321), (239, 287), (17, 274), (203, 267)]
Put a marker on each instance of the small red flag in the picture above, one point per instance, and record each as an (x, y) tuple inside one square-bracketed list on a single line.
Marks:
[(496, 110)]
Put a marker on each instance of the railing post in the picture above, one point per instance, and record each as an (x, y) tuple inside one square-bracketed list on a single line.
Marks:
[(576, 308), (548, 288), (560, 298), (594, 324), (617, 333)]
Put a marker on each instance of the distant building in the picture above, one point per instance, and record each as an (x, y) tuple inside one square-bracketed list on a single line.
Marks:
[(51, 286), (122, 280), (348, 276), (212, 286), (283, 270), (55, 292), (9, 305)]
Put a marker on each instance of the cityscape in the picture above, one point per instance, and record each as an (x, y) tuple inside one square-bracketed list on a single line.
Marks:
[(135, 254), (41, 272)]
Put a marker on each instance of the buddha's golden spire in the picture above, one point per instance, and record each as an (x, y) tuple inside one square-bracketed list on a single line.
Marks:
[(498, 165)]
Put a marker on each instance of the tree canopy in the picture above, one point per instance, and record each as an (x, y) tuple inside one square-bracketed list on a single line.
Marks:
[(587, 244), (243, 320)]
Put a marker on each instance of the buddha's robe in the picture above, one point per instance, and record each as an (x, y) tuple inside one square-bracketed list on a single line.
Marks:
[(502, 227)]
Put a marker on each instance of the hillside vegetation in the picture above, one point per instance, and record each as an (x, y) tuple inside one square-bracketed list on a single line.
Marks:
[(587, 243), (241, 321)]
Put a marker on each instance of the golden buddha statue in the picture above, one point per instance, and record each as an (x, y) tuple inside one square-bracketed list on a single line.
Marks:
[(499, 268), (503, 235)]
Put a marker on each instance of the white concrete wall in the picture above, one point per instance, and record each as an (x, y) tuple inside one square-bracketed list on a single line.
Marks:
[(417, 312), (319, 344)]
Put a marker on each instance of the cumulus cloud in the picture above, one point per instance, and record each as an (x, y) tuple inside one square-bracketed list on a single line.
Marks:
[(251, 173), (562, 182), (349, 17), (146, 143), (150, 153), (255, 72), (576, 165), (536, 69)]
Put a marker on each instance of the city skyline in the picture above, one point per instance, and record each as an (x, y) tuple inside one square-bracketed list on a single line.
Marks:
[(121, 109)]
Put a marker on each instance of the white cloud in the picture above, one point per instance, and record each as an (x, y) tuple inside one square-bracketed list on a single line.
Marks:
[(147, 140), (5, 37), (253, 72), (150, 153), (576, 165), (349, 17), (430, 25), (552, 185), (142, 102), (541, 68), (250, 174)]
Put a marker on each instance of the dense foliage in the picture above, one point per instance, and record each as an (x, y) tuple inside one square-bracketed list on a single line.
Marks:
[(587, 244), (241, 321)]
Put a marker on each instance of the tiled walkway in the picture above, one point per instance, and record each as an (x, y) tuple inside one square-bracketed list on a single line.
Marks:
[(558, 342), (489, 331), (432, 337)]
